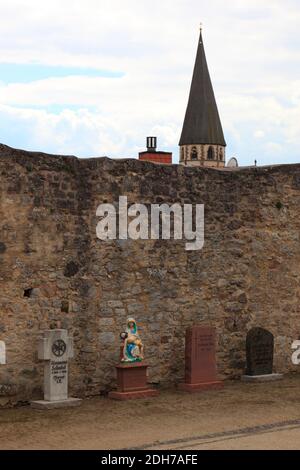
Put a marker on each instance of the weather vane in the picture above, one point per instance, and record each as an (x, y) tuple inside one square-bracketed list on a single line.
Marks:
[(201, 27)]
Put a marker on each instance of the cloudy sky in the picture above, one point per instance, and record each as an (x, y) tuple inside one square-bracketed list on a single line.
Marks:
[(95, 77)]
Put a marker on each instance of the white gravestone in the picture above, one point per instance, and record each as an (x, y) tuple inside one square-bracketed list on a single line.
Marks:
[(56, 348), (296, 354), (2, 353)]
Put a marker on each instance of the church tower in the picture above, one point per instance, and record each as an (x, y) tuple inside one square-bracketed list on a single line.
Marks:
[(202, 140)]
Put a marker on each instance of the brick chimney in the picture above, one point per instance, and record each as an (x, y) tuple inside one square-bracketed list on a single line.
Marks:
[(154, 156)]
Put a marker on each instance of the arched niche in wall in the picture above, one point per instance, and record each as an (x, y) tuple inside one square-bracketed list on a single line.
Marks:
[(194, 154), (210, 153)]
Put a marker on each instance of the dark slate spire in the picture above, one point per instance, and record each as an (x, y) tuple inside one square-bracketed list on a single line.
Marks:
[(202, 123)]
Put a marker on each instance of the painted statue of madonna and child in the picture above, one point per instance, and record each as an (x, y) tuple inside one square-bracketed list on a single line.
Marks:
[(132, 349)]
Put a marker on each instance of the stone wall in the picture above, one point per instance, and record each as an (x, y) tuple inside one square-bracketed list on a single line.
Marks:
[(53, 268)]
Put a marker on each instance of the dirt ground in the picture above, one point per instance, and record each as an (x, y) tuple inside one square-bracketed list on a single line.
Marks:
[(242, 416)]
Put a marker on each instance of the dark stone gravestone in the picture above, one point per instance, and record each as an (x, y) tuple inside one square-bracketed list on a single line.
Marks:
[(200, 360), (259, 354)]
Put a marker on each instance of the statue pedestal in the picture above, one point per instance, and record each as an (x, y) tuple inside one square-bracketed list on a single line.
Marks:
[(132, 382)]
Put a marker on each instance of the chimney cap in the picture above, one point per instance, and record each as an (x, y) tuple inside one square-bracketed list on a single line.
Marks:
[(151, 144)]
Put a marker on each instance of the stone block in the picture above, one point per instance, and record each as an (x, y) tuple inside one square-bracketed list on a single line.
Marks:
[(51, 405)]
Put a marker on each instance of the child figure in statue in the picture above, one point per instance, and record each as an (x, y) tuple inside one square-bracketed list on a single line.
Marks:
[(133, 350)]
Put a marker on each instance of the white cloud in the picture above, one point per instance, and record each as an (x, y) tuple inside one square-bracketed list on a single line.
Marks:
[(273, 148), (259, 134)]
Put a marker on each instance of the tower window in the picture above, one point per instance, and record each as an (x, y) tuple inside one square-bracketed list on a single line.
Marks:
[(210, 154), (221, 155), (194, 154)]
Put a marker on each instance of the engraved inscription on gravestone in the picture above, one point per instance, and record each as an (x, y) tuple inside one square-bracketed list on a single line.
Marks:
[(59, 371), (200, 347)]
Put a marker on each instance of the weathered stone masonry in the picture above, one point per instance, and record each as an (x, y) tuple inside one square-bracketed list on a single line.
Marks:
[(53, 268)]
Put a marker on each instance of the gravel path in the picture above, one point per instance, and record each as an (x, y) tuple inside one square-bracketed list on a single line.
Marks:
[(242, 416)]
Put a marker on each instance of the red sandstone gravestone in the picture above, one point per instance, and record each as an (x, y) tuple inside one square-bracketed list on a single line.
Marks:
[(200, 360)]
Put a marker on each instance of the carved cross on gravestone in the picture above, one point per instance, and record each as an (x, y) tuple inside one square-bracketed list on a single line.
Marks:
[(56, 348)]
